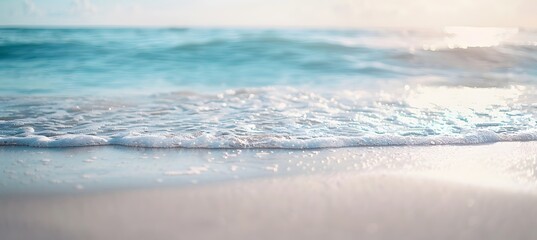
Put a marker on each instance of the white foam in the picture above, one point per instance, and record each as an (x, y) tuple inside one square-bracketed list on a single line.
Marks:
[(61, 141), (208, 141), (275, 118)]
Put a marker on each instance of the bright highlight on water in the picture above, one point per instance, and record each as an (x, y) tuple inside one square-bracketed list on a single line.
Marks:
[(242, 88)]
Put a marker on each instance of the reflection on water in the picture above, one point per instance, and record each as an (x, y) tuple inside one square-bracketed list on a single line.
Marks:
[(465, 37), (463, 98)]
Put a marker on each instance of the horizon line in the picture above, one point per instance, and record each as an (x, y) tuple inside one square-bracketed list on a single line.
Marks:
[(172, 26)]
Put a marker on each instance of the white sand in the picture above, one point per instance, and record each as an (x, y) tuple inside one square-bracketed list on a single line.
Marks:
[(324, 206), (443, 192)]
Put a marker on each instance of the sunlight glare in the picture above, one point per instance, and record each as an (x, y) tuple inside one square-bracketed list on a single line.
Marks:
[(467, 37)]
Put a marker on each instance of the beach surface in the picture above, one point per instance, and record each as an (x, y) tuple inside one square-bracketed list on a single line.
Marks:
[(336, 206), (442, 192)]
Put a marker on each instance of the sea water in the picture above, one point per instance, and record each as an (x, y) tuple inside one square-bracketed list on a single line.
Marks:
[(266, 88)]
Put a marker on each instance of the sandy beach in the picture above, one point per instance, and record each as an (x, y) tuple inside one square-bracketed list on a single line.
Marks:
[(442, 192), (337, 206)]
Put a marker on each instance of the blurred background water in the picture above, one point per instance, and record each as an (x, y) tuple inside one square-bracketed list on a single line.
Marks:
[(78, 61), (294, 88)]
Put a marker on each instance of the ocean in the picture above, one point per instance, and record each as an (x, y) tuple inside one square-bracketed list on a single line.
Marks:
[(266, 88)]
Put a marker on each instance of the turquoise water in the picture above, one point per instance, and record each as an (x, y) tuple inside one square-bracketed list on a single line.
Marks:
[(266, 88), (60, 61)]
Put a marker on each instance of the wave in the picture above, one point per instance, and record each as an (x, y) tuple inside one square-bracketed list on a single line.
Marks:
[(274, 118), (56, 61), (213, 142), (266, 88)]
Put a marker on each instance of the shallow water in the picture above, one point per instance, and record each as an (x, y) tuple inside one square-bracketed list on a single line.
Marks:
[(26, 170), (266, 88)]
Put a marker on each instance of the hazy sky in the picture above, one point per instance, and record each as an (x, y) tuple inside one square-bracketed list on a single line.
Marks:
[(311, 13)]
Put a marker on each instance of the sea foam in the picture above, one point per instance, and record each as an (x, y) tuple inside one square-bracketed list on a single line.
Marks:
[(209, 141), (272, 118)]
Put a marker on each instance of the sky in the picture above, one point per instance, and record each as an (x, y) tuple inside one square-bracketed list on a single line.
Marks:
[(272, 13)]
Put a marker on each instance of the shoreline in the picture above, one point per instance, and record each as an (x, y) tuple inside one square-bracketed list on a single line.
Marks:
[(41, 171)]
